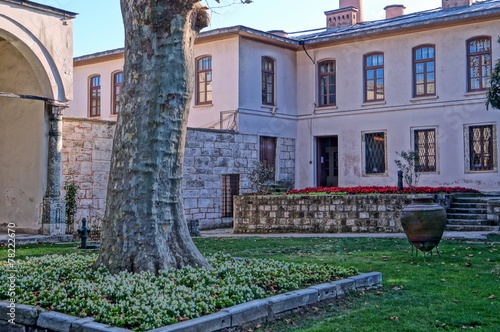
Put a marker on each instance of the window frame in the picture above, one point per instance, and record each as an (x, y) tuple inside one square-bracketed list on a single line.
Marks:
[(364, 153), (365, 80), (425, 72), (264, 84), (414, 141), (207, 83), (94, 111), (469, 169), (327, 75), (114, 95), (481, 54)]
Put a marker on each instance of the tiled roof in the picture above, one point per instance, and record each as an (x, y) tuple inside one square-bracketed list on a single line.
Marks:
[(410, 20)]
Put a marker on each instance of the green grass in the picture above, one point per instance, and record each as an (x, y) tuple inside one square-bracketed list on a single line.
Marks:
[(459, 290)]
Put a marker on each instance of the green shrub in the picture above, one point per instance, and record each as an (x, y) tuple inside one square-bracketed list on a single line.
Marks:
[(144, 301)]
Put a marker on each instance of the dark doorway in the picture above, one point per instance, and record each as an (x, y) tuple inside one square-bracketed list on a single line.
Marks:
[(328, 161)]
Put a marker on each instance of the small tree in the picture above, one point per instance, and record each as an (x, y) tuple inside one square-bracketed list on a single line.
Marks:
[(261, 177), (71, 188), (493, 94), (409, 166)]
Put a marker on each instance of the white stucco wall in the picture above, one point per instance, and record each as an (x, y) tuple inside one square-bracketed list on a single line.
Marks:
[(23, 143), (225, 73), (45, 38), (449, 112), (36, 49), (79, 106)]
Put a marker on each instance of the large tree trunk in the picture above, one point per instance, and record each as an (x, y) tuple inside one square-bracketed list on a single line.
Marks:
[(144, 227)]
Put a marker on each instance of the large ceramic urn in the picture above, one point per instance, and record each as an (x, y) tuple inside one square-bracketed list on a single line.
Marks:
[(423, 222)]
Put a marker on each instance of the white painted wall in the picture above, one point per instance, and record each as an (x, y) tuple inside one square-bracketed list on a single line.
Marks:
[(449, 112), (36, 48), (23, 143), (79, 106)]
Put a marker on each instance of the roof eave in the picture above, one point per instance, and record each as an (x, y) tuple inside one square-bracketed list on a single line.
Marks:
[(44, 8)]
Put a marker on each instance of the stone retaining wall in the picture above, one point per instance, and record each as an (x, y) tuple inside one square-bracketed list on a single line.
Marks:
[(249, 314), (322, 213), (209, 154)]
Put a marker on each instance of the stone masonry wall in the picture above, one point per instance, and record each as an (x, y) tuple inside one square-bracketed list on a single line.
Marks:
[(319, 214), (209, 155)]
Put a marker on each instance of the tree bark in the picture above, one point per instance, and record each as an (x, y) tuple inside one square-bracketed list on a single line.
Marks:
[(144, 228)]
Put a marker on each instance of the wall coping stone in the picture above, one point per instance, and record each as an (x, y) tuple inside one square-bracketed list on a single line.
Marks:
[(253, 312)]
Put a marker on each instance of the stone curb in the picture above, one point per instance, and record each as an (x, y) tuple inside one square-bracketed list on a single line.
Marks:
[(29, 318)]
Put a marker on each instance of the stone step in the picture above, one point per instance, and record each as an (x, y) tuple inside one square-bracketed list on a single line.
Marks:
[(469, 228), (456, 205), (481, 222), (469, 200), (467, 210), (467, 216)]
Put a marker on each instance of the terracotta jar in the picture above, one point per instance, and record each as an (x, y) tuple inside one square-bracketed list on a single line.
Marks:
[(423, 222)]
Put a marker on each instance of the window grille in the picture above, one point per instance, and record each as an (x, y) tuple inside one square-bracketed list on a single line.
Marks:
[(374, 153), (481, 148), (425, 145), (230, 188), (479, 63)]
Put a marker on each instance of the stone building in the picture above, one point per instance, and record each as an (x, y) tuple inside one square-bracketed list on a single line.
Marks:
[(332, 106), (36, 81)]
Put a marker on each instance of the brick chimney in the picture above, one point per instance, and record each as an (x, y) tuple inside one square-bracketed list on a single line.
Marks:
[(353, 3), (392, 11), (349, 13), (455, 3)]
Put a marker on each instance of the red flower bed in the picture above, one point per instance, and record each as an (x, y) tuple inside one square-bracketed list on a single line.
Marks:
[(382, 190)]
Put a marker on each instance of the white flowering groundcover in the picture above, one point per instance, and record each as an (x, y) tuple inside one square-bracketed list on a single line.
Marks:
[(69, 284)]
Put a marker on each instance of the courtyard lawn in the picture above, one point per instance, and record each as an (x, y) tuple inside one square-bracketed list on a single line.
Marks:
[(459, 290)]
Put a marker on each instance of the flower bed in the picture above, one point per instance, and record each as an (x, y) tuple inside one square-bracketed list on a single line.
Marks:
[(381, 190), (70, 285)]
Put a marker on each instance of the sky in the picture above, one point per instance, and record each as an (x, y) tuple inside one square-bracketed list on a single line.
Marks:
[(99, 27)]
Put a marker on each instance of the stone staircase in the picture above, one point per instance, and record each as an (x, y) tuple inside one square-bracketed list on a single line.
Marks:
[(469, 214)]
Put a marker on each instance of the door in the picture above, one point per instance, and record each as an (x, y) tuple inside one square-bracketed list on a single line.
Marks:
[(327, 161)]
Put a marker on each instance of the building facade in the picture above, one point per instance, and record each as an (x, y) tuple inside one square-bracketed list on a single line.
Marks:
[(350, 96), (36, 80)]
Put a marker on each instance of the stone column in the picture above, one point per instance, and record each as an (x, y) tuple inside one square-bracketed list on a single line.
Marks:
[(54, 207)]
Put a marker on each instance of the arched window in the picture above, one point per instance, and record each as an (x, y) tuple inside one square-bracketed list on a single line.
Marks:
[(204, 80), (424, 71), (117, 90), (479, 63), (327, 88), (374, 77), (95, 95), (268, 81)]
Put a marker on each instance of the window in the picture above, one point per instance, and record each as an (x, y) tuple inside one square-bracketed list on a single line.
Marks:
[(481, 148), (267, 81), (230, 188), (424, 71), (117, 90), (425, 145), (375, 158), (95, 95), (374, 77), (479, 63), (327, 83), (204, 80)]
